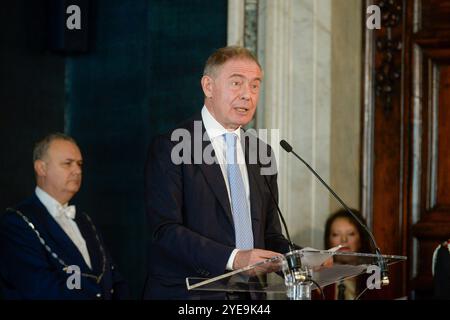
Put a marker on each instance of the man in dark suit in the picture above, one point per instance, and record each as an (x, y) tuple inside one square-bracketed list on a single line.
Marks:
[(209, 205), (48, 249)]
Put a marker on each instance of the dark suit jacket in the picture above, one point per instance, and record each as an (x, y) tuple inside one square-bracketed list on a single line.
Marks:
[(441, 280), (190, 218), (27, 269)]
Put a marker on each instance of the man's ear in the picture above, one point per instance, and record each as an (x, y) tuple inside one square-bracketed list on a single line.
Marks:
[(40, 167), (207, 84)]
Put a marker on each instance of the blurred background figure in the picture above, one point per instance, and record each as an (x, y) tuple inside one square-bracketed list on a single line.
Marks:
[(441, 271), (341, 228)]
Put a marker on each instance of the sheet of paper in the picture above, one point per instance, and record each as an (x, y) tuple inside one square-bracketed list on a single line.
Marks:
[(312, 258)]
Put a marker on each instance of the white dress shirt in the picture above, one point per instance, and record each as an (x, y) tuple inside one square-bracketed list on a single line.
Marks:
[(68, 225), (216, 133)]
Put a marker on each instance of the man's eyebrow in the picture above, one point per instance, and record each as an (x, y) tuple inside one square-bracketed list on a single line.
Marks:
[(241, 76), (72, 160)]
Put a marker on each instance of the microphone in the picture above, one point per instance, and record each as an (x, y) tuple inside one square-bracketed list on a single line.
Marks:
[(381, 262)]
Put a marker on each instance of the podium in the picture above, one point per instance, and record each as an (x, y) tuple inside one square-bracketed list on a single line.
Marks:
[(294, 274)]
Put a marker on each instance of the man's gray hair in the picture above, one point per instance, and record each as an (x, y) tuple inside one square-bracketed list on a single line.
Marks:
[(41, 147), (222, 55)]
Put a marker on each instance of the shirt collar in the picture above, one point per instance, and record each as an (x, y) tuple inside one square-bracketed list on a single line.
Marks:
[(50, 203), (213, 128)]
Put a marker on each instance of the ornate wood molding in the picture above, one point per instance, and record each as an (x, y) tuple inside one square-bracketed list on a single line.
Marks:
[(383, 151), (388, 71)]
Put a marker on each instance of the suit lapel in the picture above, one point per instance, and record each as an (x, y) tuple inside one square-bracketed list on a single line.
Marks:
[(212, 172), (214, 177), (59, 237), (91, 242)]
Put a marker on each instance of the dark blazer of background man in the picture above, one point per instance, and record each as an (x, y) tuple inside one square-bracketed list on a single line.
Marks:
[(42, 237), (441, 279), (188, 204)]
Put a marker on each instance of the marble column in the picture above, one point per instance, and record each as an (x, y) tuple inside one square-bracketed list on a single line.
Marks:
[(236, 16)]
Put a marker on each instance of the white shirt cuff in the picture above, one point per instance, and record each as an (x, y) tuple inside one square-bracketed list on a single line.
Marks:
[(231, 260)]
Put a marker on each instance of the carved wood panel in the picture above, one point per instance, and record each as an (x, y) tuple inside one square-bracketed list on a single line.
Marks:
[(432, 225), (409, 199)]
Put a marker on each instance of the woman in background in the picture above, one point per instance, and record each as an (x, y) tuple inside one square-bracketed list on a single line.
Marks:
[(342, 229)]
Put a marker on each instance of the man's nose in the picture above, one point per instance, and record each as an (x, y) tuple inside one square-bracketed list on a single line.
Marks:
[(77, 169), (245, 94)]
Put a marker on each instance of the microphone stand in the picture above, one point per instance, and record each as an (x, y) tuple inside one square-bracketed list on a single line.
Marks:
[(381, 262), (298, 279)]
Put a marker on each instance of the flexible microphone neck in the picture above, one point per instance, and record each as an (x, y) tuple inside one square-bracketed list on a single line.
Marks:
[(293, 261), (292, 247), (382, 264), (274, 200)]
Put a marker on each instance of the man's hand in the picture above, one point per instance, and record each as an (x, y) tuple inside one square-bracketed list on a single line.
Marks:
[(246, 258)]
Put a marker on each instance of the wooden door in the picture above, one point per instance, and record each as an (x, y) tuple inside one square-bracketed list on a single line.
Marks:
[(406, 153)]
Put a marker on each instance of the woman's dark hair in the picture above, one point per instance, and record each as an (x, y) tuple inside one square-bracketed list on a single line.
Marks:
[(365, 241)]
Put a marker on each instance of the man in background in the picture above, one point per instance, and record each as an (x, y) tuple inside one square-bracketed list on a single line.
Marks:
[(48, 248)]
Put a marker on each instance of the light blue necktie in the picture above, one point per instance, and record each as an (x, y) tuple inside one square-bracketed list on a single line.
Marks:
[(239, 206)]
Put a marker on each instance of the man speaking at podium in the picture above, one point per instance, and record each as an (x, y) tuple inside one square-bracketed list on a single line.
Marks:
[(210, 217)]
